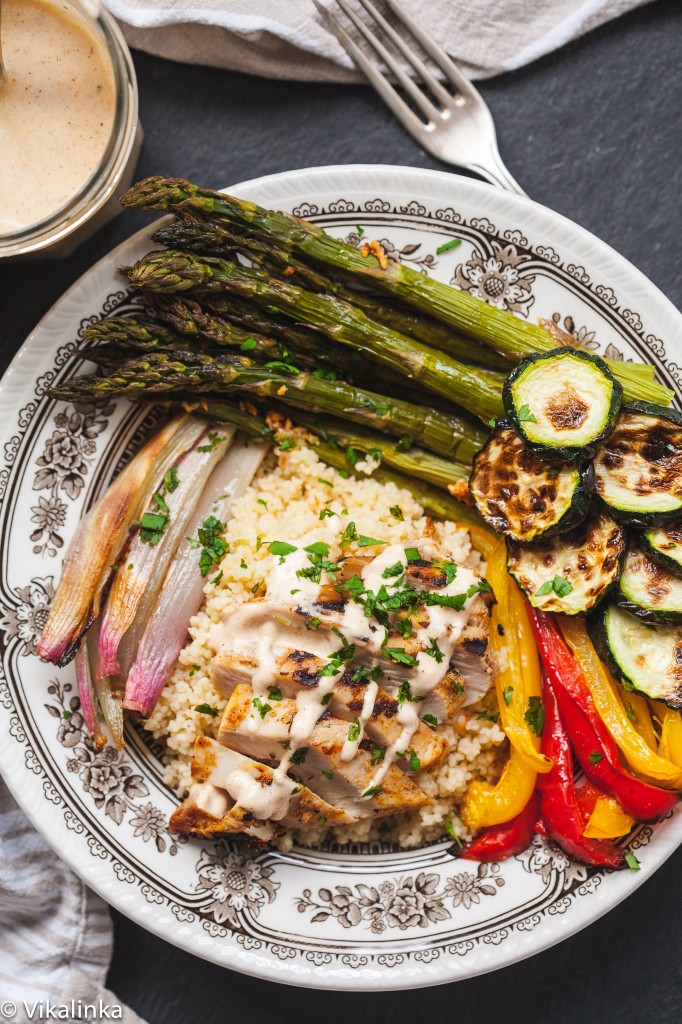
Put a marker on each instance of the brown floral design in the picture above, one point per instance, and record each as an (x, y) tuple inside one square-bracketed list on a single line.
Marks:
[(234, 882), (63, 466), (497, 276), (26, 620), (411, 902), (105, 775)]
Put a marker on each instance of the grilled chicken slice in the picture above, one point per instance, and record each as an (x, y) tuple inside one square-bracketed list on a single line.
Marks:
[(319, 764), (210, 809), (296, 671), (299, 671)]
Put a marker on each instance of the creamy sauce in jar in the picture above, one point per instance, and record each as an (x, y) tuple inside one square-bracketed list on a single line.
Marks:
[(56, 109)]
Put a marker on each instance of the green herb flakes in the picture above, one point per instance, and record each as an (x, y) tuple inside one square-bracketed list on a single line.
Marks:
[(207, 709), (446, 246), (535, 716)]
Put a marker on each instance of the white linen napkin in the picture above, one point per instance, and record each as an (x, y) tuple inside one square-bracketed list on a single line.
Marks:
[(55, 933), (288, 38)]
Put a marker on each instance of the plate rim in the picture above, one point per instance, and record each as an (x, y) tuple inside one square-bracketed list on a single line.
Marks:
[(13, 386)]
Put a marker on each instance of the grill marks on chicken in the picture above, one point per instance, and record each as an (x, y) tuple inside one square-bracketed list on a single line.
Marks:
[(336, 680)]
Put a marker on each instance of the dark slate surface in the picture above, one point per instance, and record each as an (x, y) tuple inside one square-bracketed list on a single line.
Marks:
[(592, 132)]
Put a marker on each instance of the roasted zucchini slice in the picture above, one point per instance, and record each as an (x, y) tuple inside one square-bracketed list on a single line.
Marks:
[(649, 591), (563, 403), (646, 658), (639, 468), (573, 572), (664, 545), (524, 496)]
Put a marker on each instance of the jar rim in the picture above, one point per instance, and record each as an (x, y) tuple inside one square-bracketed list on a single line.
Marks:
[(101, 184)]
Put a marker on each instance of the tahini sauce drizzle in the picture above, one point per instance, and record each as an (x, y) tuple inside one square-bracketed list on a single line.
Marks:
[(253, 627)]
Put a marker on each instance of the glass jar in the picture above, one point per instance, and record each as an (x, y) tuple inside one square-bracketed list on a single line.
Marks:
[(96, 202)]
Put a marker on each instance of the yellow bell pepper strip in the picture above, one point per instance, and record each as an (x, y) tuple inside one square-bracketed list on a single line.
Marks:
[(671, 736), (637, 710), (608, 820), (518, 681), (483, 540), (603, 689), (486, 805)]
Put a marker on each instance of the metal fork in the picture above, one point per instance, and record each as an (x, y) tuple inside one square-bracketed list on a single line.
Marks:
[(457, 128)]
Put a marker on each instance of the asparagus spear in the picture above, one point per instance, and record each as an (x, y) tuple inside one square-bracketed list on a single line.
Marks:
[(508, 335), (433, 500), (158, 373), (475, 389), (411, 460), (209, 239)]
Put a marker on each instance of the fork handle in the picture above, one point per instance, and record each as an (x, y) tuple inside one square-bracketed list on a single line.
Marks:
[(494, 172)]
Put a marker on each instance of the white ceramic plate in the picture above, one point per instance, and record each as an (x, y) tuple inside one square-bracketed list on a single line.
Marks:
[(365, 919)]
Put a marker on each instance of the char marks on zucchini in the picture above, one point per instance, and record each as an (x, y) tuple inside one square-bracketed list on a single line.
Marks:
[(649, 591), (664, 545), (639, 469), (522, 495), (563, 403), (570, 574), (647, 658)]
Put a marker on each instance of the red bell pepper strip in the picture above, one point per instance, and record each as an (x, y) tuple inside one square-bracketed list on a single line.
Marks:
[(593, 744), (559, 805), (501, 841)]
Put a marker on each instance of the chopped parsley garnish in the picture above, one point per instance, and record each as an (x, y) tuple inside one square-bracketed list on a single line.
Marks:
[(277, 364), (349, 534), (206, 709), (260, 707), (434, 651), (558, 585), (216, 579), (287, 444), (405, 694), (248, 345), (170, 480), (354, 730), (321, 480), (281, 548), (630, 860), (524, 415), (535, 716), (318, 548), (327, 513), (405, 443), (299, 756), (354, 587), (378, 753), (488, 716), (243, 565), (452, 244), (66, 713), (401, 656), (351, 457), (345, 653), (359, 230), (394, 570), (456, 601), (412, 555), (631, 712), (321, 820), (367, 542), (397, 513), (596, 757), (450, 829), (313, 624), (327, 697), (263, 502), (213, 441), (457, 686), (430, 719), (378, 408), (328, 773), (508, 694), (274, 693), (194, 669), (412, 757), (404, 627), (213, 547), (449, 570), (373, 791), (152, 525)]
